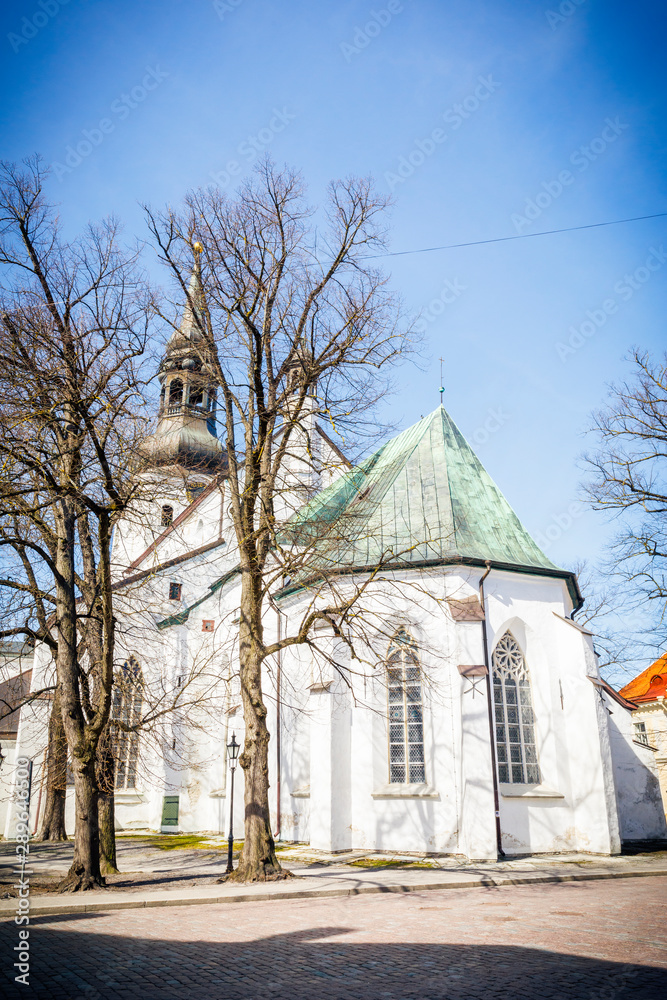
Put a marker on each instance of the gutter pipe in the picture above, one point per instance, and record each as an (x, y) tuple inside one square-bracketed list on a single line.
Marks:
[(577, 607), (278, 723), (489, 702)]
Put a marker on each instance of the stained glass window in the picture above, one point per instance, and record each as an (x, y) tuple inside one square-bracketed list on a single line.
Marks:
[(406, 729), (514, 716)]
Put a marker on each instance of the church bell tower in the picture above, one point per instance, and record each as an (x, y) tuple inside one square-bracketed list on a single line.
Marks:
[(185, 436)]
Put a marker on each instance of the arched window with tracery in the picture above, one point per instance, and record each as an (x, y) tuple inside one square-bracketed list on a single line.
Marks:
[(406, 723), (125, 717), (515, 719)]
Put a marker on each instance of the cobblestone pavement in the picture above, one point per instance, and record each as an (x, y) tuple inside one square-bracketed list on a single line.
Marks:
[(585, 941)]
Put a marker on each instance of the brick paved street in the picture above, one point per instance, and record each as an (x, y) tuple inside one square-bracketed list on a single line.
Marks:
[(603, 940)]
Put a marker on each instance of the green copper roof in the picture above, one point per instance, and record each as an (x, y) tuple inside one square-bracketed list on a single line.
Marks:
[(424, 496)]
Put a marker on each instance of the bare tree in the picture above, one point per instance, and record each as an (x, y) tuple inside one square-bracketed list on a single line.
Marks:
[(629, 481), (292, 327), (26, 610), (76, 317)]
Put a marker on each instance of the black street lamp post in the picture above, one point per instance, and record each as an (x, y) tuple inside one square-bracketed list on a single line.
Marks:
[(232, 753)]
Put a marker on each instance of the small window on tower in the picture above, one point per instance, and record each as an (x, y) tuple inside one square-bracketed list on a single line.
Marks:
[(175, 591), (167, 515), (207, 625)]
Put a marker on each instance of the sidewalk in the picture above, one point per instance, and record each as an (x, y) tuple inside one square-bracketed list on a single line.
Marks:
[(318, 876)]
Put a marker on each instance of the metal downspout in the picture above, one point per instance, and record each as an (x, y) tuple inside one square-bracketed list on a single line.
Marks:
[(578, 606), (278, 750), (489, 702)]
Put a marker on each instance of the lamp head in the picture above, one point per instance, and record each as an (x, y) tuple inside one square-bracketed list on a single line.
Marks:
[(233, 750)]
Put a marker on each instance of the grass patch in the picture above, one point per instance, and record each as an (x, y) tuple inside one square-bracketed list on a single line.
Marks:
[(176, 842), (181, 842), (389, 863), (189, 842)]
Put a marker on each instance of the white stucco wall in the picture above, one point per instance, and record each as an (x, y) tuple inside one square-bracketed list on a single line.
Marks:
[(571, 809)]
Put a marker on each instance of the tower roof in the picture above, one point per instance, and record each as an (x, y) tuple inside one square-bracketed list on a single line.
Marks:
[(423, 497)]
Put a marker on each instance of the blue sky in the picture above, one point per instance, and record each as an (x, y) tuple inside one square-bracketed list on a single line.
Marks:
[(546, 116)]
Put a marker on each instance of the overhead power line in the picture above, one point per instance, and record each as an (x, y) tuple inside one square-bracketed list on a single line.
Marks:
[(519, 236)]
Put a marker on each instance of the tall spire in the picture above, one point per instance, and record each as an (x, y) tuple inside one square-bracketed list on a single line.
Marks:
[(194, 311), (185, 434)]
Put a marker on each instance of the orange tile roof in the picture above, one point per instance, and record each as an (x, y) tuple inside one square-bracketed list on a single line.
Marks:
[(650, 684)]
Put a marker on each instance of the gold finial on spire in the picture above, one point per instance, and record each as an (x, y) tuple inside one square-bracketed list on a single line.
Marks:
[(197, 247)]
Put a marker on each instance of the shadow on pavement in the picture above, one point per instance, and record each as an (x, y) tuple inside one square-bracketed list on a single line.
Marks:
[(66, 965)]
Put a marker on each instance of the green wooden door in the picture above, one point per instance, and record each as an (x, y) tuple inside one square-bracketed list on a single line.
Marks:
[(170, 810)]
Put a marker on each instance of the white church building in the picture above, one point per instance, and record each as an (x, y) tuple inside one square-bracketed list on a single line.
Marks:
[(483, 724)]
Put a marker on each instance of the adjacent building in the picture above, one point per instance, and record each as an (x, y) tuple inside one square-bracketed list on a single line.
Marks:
[(648, 691)]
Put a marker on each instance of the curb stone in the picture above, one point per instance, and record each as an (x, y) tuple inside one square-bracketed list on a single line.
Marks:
[(44, 906)]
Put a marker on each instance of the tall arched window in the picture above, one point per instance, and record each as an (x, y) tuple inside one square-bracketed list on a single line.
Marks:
[(175, 392), (515, 720), (196, 395), (125, 714), (406, 729)]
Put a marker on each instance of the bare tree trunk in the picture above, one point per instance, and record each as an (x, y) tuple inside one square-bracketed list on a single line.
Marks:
[(107, 821), (258, 862), (106, 804), (53, 822), (84, 872)]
